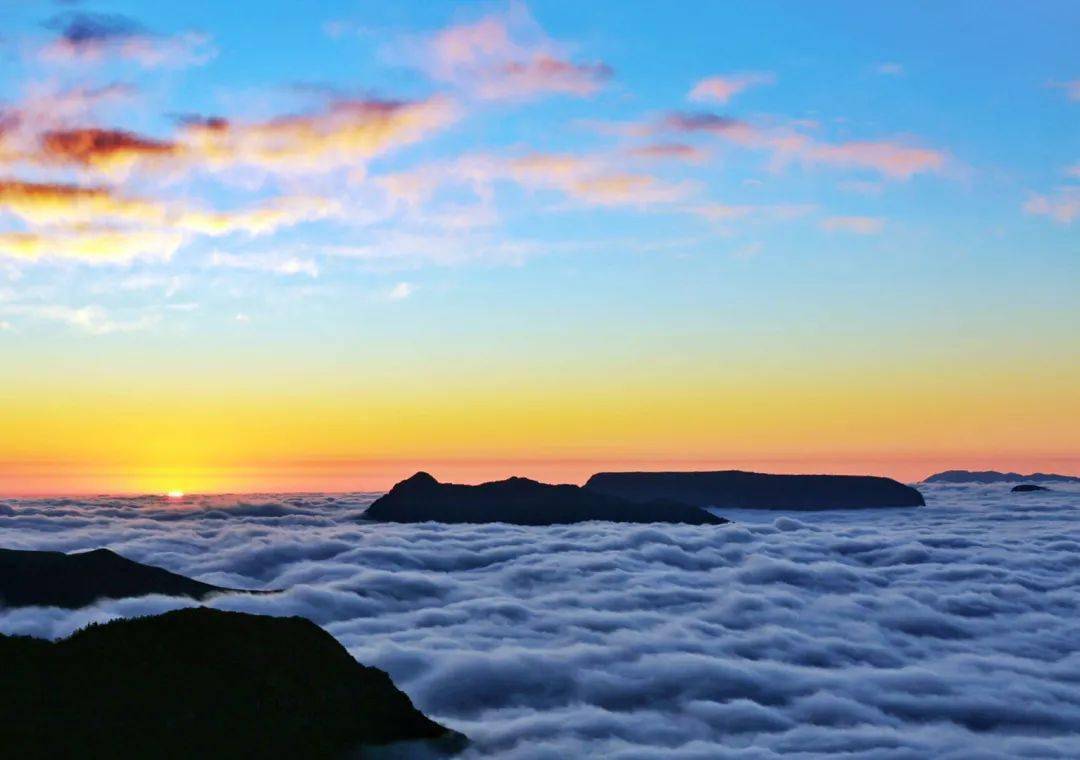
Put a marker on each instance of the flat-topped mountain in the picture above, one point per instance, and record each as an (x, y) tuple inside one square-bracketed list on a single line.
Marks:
[(523, 502), (993, 476), (735, 489), (55, 579), (1028, 488), (201, 683)]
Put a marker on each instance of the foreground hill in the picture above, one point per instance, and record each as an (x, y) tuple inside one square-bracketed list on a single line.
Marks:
[(993, 476), (55, 579), (200, 683), (522, 502), (735, 489)]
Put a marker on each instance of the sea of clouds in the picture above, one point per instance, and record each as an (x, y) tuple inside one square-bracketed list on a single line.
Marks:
[(951, 631)]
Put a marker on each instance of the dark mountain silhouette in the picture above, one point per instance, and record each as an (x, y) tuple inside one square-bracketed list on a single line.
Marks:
[(522, 502), (1027, 487), (735, 489), (201, 683), (55, 579), (993, 476)]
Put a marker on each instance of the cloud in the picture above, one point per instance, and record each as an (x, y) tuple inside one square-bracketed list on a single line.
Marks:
[(88, 37), (401, 291), (946, 631), (90, 319), (892, 159), (890, 69), (859, 225), (264, 219), (1063, 206), (339, 134), (721, 88), (75, 205), (508, 57), (93, 223), (595, 179), (1071, 88), (286, 265), (722, 212), (344, 134), (98, 245), (677, 151), (72, 205), (104, 149)]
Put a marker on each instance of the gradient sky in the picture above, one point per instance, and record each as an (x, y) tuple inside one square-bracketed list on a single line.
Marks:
[(290, 246)]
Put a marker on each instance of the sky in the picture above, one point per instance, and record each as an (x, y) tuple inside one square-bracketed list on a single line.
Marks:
[(295, 247)]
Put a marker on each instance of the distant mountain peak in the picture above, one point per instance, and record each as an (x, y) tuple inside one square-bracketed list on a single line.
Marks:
[(996, 476)]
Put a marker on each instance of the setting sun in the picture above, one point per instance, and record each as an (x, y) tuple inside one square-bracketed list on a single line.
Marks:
[(175, 494)]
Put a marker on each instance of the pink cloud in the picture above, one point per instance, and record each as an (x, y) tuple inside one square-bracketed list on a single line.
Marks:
[(890, 158), (676, 151), (1072, 89), (1063, 207), (859, 225), (721, 212), (720, 89), (509, 57), (591, 179)]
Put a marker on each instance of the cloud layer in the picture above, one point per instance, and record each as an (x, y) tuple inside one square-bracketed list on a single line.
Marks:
[(948, 631)]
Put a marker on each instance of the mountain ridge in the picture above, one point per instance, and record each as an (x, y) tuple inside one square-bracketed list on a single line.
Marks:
[(739, 489), (521, 501)]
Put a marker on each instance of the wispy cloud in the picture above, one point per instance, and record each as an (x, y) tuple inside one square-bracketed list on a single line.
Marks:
[(90, 319), (342, 135), (1063, 206), (261, 219), (677, 151), (723, 87), (91, 245), (95, 223), (507, 56), (87, 37), (890, 158), (272, 263), (859, 225), (593, 179), (890, 69), (727, 213), (401, 291), (69, 205), (104, 149), (1071, 88)]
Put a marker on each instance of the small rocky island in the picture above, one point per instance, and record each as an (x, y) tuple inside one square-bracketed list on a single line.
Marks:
[(521, 501), (735, 489), (1028, 488), (994, 476), (55, 579), (203, 683)]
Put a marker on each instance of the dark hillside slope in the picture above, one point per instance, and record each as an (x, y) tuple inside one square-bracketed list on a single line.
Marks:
[(199, 683)]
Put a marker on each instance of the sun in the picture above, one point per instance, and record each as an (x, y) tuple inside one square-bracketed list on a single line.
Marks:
[(175, 494)]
